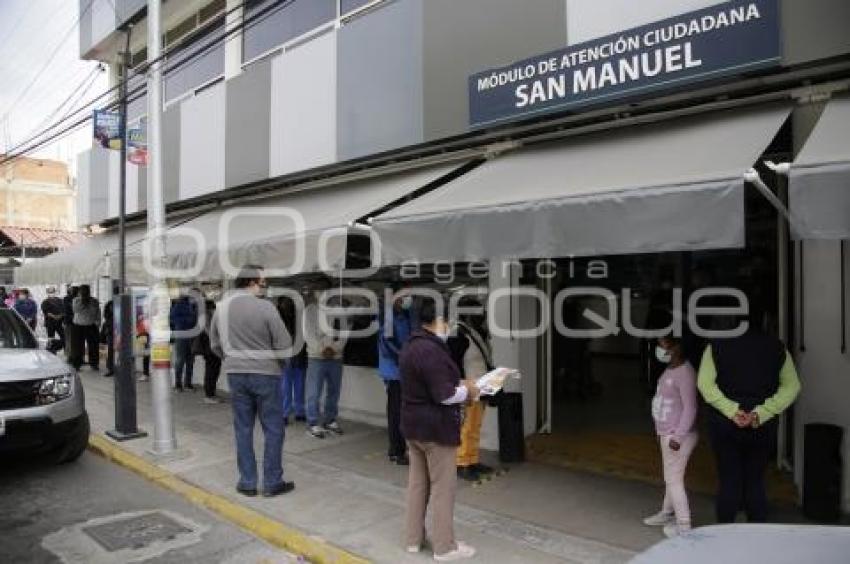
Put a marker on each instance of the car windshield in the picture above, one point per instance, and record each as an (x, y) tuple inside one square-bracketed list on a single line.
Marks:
[(14, 333)]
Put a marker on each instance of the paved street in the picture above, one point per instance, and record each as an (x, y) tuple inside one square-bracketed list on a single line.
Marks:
[(96, 512)]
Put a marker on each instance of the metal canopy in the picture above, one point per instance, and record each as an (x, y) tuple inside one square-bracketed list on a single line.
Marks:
[(669, 186), (819, 195)]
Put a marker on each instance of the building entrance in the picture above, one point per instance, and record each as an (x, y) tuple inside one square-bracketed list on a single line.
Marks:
[(600, 388)]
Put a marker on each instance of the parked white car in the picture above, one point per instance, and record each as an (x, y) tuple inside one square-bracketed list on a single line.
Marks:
[(42, 406)]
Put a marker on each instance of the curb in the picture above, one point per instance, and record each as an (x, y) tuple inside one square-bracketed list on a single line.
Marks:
[(274, 532)]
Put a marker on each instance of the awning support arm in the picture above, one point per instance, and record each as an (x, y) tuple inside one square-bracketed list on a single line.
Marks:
[(753, 177)]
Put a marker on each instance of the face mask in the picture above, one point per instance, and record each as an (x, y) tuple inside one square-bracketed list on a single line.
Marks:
[(443, 336), (406, 303), (663, 355)]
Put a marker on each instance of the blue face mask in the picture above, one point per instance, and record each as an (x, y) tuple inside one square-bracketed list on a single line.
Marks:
[(406, 303)]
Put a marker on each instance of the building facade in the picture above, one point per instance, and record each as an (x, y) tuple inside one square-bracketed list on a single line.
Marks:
[(267, 97), (37, 193)]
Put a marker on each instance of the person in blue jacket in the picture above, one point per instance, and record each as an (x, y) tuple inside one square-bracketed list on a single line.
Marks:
[(183, 318), (394, 328), (27, 308)]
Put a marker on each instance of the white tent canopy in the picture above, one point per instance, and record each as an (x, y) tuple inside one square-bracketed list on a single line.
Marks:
[(819, 195), (670, 186)]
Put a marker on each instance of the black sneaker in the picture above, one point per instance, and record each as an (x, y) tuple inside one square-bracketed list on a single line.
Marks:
[(190, 387), (301, 418), (280, 489), (483, 469), (250, 492), (402, 460), (178, 388), (467, 473)]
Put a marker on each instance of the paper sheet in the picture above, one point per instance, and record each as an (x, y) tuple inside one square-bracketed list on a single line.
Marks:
[(492, 383)]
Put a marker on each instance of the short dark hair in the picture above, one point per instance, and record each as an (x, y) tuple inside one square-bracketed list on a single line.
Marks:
[(429, 309), (249, 274)]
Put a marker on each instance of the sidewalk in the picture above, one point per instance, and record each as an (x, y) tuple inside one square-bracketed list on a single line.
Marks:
[(350, 496)]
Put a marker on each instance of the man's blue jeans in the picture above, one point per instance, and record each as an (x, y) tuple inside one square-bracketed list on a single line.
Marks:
[(321, 373), (293, 391), (184, 362), (253, 395)]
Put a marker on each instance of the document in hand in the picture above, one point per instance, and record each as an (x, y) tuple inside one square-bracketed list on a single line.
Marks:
[(492, 383)]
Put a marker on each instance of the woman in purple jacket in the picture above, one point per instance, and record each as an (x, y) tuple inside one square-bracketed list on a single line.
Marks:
[(674, 410), (432, 394)]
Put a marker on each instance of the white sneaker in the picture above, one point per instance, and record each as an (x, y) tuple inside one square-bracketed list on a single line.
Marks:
[(334, 427), (673, 530), (212, 401), (462, 552), (316, 432), (659, 519)]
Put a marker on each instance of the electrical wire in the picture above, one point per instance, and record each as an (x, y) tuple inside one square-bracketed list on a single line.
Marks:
[(247, 23), (49, 60)]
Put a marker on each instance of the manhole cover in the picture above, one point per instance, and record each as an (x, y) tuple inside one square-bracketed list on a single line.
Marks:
[(136, 532)]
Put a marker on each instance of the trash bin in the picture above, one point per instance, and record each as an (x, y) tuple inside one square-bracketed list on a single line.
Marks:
[(822, 472), (511, 428)]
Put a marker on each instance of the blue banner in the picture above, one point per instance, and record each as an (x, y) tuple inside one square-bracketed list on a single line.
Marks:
[(728, 39)]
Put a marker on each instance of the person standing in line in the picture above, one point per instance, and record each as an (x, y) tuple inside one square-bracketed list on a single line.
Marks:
[(432, 393), (27, 308), (324, 368), (86, 329), (390, 344), (183, 317), (107, 333), (294, 373), (674, 410), (212, 363), (71, 292), (748, 381), (3, 297), (54, 314), (249, 336), (476, 362)]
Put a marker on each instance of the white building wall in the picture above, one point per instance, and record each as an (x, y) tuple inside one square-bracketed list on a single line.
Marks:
[(202, 143), (824, 370), (304, 107)]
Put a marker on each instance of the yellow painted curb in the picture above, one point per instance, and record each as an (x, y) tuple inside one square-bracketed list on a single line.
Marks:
[(259, 525)]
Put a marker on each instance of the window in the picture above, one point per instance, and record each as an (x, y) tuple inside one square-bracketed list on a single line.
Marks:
[(186, 69), (347, 6), (180, 30), (277, 24), (211, 10)]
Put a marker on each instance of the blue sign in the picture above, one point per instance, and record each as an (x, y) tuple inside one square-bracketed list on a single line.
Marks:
[(727, 39)]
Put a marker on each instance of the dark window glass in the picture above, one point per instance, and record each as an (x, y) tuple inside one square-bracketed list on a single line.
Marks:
[(281, 23), (14, 334), (347, 6), (198, 61)]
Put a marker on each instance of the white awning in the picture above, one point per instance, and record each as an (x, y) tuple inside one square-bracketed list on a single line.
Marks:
[(819, 194), (271, 232), (662, 187)]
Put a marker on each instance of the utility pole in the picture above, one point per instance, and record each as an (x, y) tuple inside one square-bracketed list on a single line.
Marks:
[(164, 440), (122, 304)]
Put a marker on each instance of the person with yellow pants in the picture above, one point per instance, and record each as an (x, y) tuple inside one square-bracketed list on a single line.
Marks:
[(476, 363)]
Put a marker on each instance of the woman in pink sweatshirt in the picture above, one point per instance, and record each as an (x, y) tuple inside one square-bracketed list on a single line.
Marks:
[(674, 409)]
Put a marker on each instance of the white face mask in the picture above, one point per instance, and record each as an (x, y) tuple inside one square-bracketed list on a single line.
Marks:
[(663, 355)]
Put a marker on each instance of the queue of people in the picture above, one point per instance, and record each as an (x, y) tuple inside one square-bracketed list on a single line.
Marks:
[(280, 362)]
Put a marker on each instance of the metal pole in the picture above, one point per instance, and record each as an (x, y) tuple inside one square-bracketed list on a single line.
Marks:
[(124, 382), (164, 441)]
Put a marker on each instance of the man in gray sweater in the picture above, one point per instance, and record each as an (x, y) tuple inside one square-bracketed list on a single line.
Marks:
[(249, 336)]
